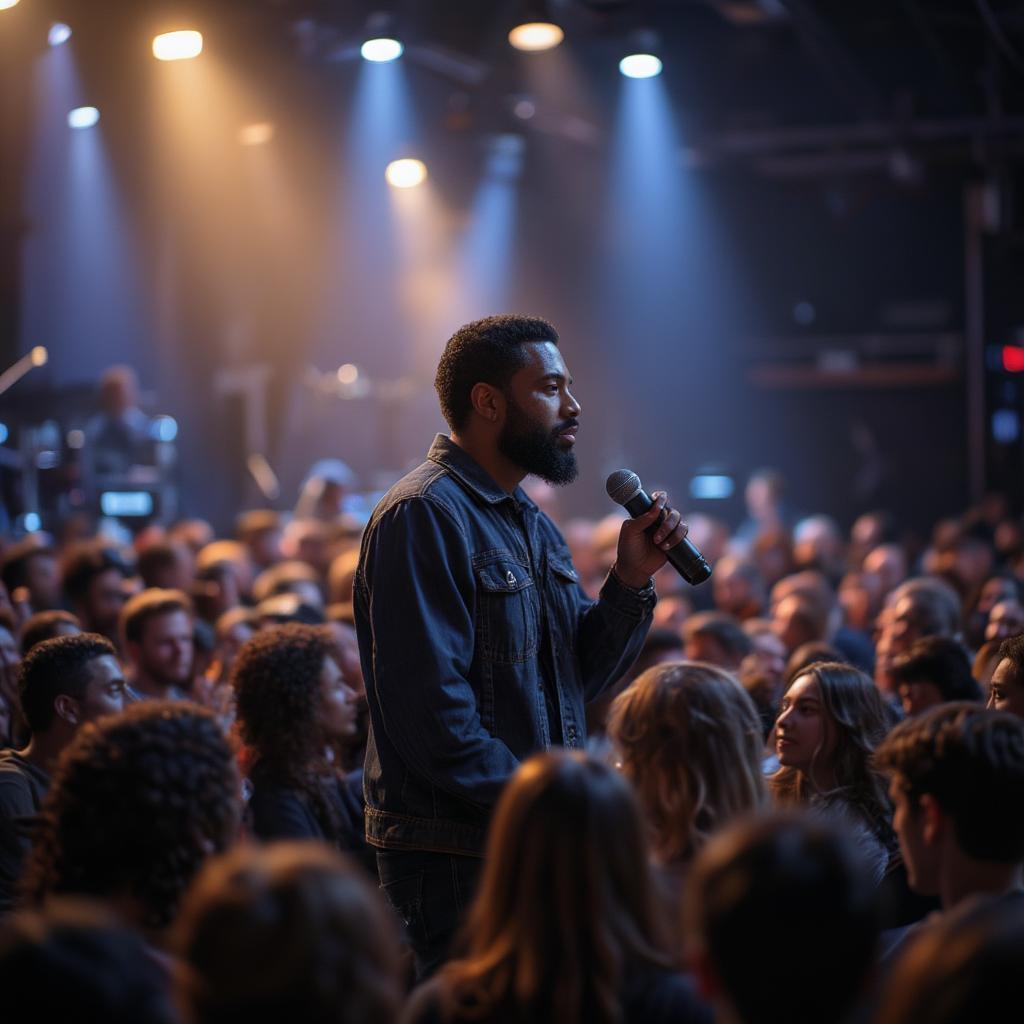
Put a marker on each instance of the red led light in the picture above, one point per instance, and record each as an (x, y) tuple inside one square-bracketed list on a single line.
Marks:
[(1013, 359)]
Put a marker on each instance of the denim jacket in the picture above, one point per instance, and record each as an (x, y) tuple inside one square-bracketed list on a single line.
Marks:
[(456, 580)]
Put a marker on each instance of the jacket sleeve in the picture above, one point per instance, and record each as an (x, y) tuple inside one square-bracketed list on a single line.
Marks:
[(611, 632), (418, 595)]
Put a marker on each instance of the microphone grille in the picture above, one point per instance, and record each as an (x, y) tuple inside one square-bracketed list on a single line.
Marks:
[(622, 485)]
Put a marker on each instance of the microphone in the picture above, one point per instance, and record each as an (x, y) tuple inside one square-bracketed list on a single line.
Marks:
[(625, 489)]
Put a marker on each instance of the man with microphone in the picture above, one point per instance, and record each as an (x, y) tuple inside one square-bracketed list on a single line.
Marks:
[(478, 645)]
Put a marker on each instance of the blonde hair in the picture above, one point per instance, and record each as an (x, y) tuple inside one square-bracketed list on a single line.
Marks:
[(691, 743)]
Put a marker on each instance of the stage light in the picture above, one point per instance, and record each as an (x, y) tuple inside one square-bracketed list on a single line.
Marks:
[(39, 355), (406, 173), (257, 134), (83, 117), (178, 45), (534, 36), (524, 109), (32, 521), (165, 428), (381, 51), (712, 486), (6, 4), (348, 373), (59, 33), (640, 65), (4, 433)]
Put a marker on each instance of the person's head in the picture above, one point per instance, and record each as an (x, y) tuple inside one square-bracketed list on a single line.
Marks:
[(31, 565), (935, 669), (94, 582), (798, 619), (831, 719), (738, 587), (716, 638), (74, 960), (290, 931), (503, 380), (961, 969), (156, 627), (168, 565), (195, 534), (231, 631), (818, 544), (261, 531), (762, 671), (565, 902), (10, 660), (956, 778), (921, 607), (776, 898), (289, 578), (888, 564), (1005, 620), (119, 391), (1006, 690), (807, 655), (292, 700), (764, 494), (70, 680), (45, 626), (137, 804), (689, 739)]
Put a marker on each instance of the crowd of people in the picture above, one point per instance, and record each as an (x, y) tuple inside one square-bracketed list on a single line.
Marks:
[(809, 783)]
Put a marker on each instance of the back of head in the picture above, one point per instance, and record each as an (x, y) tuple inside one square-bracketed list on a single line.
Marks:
[(14, 562), (971, 761), (74, 961), (565, 901), (936, 606), (809, 654), (83, 562), (724, 630), (45, 626), (138, 801), (61, 665), (942, 661), (485, 351), (690, 741), (961, 969), (289, 931), (778, 896)]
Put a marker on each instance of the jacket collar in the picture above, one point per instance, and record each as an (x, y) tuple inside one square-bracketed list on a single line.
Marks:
[(445, 452)]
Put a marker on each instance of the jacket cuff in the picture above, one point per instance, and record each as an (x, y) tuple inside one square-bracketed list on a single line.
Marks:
[(629, 599)]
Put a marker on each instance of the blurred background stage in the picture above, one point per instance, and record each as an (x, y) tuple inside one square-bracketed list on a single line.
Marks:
[(799, 245)]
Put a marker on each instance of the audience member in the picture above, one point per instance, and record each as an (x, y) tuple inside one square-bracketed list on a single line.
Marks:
[(292, 705), (138, 802), (690, 742), (167, 565), (831, 720), (1005, 620), (957, 784), (64, 683), (74, 961), (1006, 689), (289, 932), (775, 899), (261, 532), (716, 638), (738, 588), (156, 630), (565, 926), (45, 626), (30, 567), (934, 670), (94, 581)]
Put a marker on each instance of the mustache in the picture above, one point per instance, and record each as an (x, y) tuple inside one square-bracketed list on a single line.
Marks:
[(567, 425)]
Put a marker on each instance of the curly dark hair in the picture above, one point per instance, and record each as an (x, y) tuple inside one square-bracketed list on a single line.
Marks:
[(245, 908), (276, 679), (138, 802), (60, 665), (489, 351)]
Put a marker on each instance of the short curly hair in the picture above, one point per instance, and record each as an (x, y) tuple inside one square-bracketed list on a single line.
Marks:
[(245, 908), (61, 665), (138, 802), (488, 351)]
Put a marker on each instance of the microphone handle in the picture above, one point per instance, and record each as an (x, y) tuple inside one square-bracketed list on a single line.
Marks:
[(685, 558)]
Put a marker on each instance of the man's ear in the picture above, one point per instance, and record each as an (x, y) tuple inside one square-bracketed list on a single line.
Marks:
[(488, 402), (68, 709), (934, 824)]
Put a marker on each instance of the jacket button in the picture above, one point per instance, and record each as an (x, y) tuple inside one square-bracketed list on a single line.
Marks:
[(571, 732), (510, 578)]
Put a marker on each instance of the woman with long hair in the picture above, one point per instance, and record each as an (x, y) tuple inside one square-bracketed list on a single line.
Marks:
[(831, 719), (292, 705), (689, 740), (564, 926)]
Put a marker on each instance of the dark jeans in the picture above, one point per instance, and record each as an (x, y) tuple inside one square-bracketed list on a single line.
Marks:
[(430, 892)]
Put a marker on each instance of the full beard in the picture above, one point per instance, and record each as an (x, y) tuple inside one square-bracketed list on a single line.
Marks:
[(535, 450)]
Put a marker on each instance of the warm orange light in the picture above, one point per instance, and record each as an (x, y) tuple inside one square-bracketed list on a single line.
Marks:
[(178, 45)]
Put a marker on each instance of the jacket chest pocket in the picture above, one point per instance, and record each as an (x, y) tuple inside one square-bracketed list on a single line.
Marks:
[(507, 612)]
